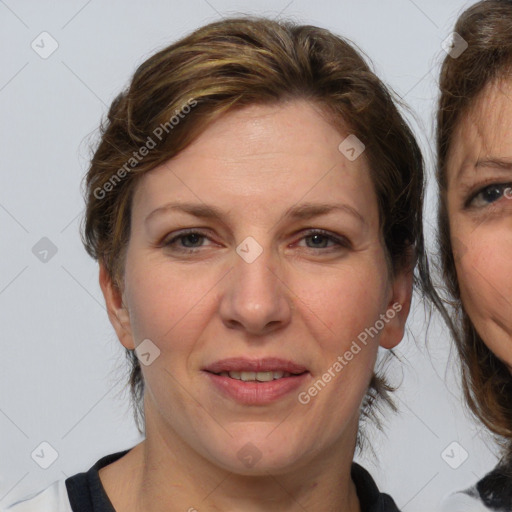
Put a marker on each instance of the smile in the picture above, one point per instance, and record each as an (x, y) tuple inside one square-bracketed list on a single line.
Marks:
[(256, 376)]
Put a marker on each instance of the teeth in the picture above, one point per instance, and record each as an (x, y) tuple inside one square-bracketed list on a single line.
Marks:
[(256, 376)]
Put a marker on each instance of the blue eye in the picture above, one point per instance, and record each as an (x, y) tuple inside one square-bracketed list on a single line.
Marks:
[(490, 194)]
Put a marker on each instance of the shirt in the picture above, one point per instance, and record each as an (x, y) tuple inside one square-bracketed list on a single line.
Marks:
[(84, 492)]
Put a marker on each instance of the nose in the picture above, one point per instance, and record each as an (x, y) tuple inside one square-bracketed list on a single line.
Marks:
[(256, 297)]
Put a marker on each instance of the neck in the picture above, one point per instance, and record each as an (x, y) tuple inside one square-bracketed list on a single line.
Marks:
[(164, 474)]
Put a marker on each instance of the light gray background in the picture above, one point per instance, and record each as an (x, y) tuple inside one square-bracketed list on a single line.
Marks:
[(61, 363)]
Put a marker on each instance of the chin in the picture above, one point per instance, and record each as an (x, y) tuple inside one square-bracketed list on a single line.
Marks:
[(257, 456)]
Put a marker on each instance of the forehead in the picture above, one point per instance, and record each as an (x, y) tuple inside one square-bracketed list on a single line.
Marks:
[(250, 133), (269, 153), (484, 130)]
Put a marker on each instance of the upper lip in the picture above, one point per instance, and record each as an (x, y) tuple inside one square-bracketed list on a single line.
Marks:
[(267, 364)]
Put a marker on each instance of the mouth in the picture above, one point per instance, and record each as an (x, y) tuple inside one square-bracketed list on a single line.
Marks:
[(261, 370), (256, 381), (248, 376)]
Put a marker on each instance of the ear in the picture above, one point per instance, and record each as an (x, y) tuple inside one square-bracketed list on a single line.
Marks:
[(117, 311), (398, 307)]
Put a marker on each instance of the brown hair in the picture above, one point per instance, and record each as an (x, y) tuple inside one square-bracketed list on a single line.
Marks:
[(487, 29), (227, 65)]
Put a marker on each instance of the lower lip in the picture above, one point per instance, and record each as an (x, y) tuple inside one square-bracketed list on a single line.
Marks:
[(257, 393)]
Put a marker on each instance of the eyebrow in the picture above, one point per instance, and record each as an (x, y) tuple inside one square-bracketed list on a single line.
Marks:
[(493, 163), (301, 212), (499, 163)]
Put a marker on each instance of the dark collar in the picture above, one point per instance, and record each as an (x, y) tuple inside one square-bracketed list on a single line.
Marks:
[(85, 490), (370, 498)]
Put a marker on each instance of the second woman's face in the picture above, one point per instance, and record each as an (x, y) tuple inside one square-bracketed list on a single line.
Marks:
[(479, 198), (256, 270)]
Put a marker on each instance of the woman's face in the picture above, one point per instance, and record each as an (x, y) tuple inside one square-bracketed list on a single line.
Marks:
[(258, 289), (479, 199)]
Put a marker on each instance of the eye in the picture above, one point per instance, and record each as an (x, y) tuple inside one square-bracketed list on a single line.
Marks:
[(489, 195), (318, 235), (192, 236), (190, 241)]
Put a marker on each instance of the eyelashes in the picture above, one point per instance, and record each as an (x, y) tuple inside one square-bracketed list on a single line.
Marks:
[(488, 195), (197, 235)]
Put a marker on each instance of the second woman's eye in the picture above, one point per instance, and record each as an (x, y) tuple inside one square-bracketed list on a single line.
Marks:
[(490, 194)]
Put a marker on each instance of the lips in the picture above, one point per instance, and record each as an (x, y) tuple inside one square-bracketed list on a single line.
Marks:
[(256, 382), (248, 369)]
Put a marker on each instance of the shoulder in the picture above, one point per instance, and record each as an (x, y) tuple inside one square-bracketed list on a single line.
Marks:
[(492, 492), (52, 499), (464, 501), (82, 492)]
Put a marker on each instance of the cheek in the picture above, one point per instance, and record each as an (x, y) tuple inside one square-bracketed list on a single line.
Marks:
[(343, 303), (484, 271), (351, 305), (162, 299), (354, 305)]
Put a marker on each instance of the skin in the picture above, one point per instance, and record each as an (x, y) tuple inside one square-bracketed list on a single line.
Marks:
[(295, 301), (481, 218)]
